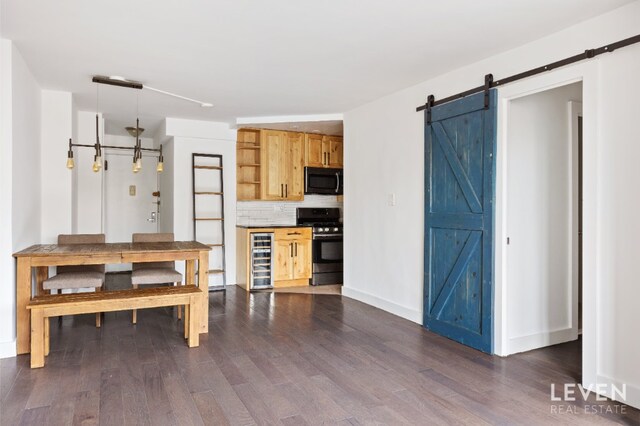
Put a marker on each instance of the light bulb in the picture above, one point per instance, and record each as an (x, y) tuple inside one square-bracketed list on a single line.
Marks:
[(97, 164), (70, 163), (139, 163), (134, 167), (160, 167)]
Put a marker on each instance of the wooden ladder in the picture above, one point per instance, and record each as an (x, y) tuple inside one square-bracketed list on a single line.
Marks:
[(212, 165)]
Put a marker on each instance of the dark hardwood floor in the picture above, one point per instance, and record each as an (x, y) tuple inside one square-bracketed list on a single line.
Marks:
[(289, 359)]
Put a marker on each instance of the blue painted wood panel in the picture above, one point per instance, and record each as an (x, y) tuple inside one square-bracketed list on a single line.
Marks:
[(460, 145)]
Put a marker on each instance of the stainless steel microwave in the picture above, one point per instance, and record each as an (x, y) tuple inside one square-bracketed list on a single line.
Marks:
[(318, 180)]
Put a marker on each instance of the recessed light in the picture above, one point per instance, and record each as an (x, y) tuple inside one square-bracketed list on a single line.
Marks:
[(206, 105), (315, 131), (295, 127)]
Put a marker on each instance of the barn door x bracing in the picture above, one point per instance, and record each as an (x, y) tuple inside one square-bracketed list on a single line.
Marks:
[(459, 203)]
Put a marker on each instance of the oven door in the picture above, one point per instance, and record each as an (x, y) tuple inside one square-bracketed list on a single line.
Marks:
[(328, 250), (323, 181)]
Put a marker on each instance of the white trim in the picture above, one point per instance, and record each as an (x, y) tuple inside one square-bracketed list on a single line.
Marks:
[(587, 72), (8, 349), (289, 118), (633, 391), (385, 305), (575, 111), (538, 340)]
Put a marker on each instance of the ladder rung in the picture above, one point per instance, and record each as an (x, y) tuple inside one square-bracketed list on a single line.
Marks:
[(208, 167), (209, 218), (215, 245), (216, 271), (207, 193)]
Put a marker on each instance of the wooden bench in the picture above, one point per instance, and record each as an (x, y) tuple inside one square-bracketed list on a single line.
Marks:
[(43, 307)]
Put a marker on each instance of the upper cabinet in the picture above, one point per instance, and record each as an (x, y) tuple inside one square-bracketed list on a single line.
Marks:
[(270, 163), (323, 151), (281, 166)]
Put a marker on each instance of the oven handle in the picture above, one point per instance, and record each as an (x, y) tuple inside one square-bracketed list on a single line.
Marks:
[(328, 237)]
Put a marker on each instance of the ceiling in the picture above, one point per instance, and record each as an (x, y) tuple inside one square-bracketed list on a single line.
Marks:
[(256, 58)]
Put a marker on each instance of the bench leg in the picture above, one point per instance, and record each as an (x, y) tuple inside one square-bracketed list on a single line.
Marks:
[(37, 338), (47, 323), (194, 321), (99, 314), (179, 307), (186, 321), (134, 318)]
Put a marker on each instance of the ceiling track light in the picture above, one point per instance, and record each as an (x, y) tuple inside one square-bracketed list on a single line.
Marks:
[(131, 84)]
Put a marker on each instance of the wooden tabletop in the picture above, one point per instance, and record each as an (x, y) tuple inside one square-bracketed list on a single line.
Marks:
[(39, 250)]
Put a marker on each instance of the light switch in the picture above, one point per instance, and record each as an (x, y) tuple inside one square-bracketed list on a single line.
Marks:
[(392, 199), (132, 190)]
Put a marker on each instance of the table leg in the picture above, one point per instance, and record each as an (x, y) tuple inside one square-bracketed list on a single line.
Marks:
[(42, 273), (190, 272), (203, 284), (23, 296)]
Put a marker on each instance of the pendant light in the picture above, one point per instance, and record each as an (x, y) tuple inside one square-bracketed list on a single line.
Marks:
[(97, 158), (70, 163), (97, 146), (160, 166)]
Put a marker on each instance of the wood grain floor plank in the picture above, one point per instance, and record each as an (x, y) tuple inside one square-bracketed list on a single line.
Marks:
[(283, 358), (210, 411), (34, 416)]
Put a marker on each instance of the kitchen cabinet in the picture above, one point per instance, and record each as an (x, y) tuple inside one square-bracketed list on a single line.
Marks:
[(270, 163), (323, 151), (293, 257), (282, 165), (291, 252), (315, 151), (335, 159)]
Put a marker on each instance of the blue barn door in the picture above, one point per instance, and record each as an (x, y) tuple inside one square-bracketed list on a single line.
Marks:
[(459, 203)]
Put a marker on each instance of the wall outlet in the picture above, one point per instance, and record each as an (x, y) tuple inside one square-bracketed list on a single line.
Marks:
[(391, 199), (132, 190)]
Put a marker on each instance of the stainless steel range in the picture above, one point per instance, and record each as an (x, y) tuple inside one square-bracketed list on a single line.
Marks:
[(327, 243)]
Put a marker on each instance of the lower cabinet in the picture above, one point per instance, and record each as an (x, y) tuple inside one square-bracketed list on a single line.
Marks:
[(292, 248)]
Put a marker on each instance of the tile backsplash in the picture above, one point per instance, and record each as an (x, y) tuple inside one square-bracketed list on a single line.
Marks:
[(258, 213)]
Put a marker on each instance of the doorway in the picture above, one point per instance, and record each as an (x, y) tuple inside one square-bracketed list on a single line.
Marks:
[(543, 218), (130, 205)]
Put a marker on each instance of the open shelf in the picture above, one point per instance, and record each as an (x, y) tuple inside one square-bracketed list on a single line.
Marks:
[(249, 162)]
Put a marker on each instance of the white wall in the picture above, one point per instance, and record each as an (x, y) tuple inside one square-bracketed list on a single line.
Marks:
[(208, 138), (20, 104), (7, 268), (540, 214), (166, 184), (618, 290), (384, 154), (87, 198), (55, 179)]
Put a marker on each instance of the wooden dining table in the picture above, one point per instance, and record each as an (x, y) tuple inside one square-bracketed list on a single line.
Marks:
[(34, 262)]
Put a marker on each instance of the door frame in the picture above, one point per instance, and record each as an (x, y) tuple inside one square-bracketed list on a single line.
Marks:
[(588, 73)]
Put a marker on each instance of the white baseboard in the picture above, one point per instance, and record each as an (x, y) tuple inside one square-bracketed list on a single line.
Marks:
[(7, 349), (633, 391), (385, 305), (540, 340)]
